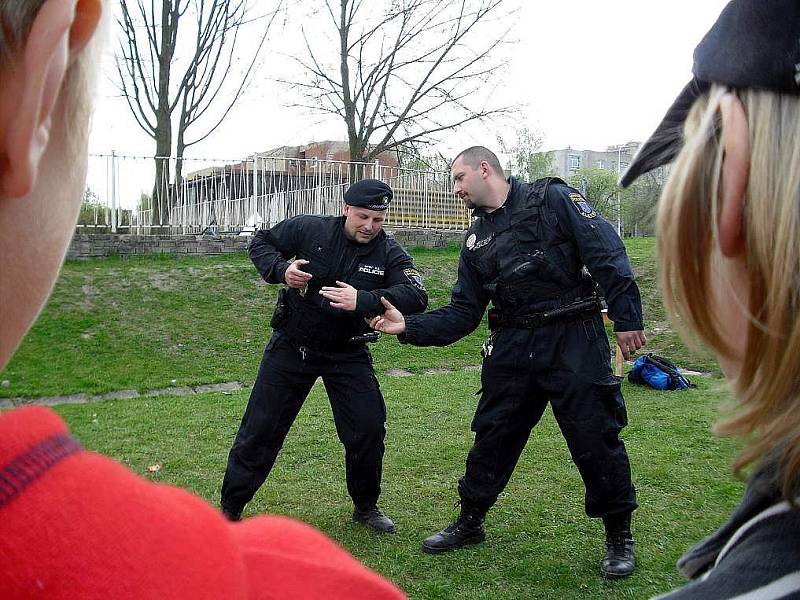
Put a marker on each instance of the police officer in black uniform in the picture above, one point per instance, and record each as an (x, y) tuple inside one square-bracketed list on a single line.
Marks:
[(336, 270), (530, 251)]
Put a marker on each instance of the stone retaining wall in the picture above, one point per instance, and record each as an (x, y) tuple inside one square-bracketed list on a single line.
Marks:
[(88, 246)]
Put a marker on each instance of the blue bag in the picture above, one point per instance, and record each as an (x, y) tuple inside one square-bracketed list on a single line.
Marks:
[(658, 373)]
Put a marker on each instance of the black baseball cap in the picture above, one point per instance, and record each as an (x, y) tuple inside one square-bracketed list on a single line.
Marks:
[(753, 44), (373, 194)]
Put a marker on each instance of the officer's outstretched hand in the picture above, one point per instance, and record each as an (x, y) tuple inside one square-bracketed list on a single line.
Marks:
[(630, 341), (294, 277), (391, 321), (343, 297)]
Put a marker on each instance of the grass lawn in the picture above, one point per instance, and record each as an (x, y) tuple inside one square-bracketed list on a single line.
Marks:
[(154, 322), (539, 545)]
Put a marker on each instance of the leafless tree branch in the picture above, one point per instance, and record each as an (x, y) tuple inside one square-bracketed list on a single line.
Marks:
[(404, 70)]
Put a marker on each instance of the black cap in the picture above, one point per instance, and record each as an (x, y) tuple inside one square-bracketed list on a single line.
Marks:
[(753, 44), (373, 194)]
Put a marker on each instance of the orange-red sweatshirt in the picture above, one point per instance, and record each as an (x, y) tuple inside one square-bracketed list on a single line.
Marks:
[(75, 524)]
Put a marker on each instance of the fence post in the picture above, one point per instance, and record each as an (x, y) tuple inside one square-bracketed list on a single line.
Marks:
[(317, 186), (426, 202), (254, 203), (113, 191)]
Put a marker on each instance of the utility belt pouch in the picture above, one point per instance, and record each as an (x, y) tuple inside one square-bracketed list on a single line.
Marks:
[(493, 317), (281, 313)]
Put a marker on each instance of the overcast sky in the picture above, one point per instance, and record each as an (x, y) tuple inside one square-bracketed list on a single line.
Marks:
[(590, 73)]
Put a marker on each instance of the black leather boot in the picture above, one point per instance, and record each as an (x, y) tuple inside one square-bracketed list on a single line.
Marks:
[(231, 515), (374, 518), (619, 560), (464, 531)]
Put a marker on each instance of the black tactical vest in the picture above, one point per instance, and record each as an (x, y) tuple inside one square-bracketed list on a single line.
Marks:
[(310, 320), (525, 263)]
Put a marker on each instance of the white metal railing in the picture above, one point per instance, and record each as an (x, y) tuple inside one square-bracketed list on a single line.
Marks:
[(139, 194)]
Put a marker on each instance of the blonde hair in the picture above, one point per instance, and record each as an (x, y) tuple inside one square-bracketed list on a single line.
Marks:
[(767, 388)]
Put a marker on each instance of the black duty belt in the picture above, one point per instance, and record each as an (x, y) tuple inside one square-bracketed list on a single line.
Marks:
[(337, 346), (534, 320)]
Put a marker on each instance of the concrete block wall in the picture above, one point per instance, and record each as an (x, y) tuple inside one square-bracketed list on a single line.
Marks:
[(427, 238), (88, 246)]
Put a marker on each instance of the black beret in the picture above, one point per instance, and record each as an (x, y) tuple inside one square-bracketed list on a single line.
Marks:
[(369, 193)]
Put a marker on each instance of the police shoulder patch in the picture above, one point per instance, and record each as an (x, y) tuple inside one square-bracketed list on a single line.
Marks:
[(471, 241), (415, 278), (582, 205)]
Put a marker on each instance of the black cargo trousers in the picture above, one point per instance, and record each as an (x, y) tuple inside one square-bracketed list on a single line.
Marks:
[(284, 380), (568, 364)]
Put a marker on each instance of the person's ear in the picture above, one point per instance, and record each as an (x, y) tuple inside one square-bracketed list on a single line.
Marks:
[(735, 172), (84, 25), (59, 31)]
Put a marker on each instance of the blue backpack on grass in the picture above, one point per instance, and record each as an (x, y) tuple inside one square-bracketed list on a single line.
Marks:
[(658, 373)]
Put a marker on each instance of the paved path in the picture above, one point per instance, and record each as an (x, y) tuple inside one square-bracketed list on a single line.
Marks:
[(122, 395), (231, 386)]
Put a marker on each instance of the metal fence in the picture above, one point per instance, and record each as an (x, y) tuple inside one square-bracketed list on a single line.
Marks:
[(134, 194)]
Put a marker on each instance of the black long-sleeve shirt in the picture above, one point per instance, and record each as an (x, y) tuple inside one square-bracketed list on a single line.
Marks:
[(527, 256), (378, 268)]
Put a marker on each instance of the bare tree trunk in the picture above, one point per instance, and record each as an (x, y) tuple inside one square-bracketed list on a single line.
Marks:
[(146, 63), (163, 129), (161, 195)]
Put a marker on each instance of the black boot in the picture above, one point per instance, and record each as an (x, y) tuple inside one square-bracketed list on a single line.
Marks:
[(467, 529), (231, 515), (374, 518), (619, 560)]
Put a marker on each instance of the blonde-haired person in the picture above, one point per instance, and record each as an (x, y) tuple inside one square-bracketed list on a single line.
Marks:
[(729, 251), (74, 524)]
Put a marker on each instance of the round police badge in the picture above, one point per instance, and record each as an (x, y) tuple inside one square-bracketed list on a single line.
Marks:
[(583, 206), (471, 241)]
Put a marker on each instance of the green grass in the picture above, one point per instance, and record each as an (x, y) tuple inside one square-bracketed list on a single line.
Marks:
[(152, 322), (539, 545), (661, 337)]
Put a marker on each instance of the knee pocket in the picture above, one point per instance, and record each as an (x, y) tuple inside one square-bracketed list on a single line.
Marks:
[(609, 399)]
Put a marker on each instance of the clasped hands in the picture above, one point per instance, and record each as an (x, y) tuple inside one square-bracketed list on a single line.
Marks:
[(343, 297)]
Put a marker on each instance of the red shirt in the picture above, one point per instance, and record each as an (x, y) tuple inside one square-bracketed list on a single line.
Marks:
[(75, 524)]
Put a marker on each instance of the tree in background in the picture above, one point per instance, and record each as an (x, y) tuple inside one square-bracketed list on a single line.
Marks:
[(91, 208), (421, 157), (94, 213), (600, 188), (527, 161), (402, 71), (175, 61), (635, 205)]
